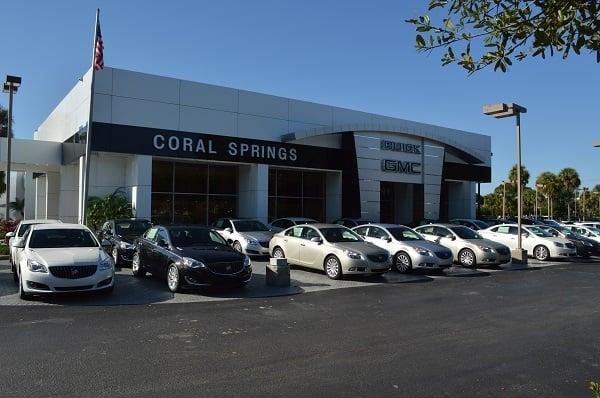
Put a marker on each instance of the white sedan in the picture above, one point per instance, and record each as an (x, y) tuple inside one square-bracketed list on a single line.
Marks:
[(539, 243), (60, 258)]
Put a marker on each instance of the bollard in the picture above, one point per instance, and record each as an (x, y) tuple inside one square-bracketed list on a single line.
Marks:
[(278, 273)]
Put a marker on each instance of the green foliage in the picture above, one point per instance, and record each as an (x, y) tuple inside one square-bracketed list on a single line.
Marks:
[(115, 205), (496, 32), (595, 389), (4, 250), (512, 175), (18, 206)]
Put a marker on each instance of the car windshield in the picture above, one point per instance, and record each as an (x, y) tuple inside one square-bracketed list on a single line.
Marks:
[(335, 235), (133, 227), (192, 236), (540, 232), (24, 228), (481, 224), (553, 231), (596, 231), (249, 225), (48, 238), (465, 233), (404, 234)]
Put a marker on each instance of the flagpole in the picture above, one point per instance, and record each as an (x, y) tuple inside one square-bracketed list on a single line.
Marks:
[(88, 138)]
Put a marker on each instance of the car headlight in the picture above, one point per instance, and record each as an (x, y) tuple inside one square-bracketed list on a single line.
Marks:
[(190, 262), (35, 266), (587, 244), (423, 252), (486, 249), (106, 263), (252, 241), (247, 262), (354, 255), (558, 244), (125, 245)]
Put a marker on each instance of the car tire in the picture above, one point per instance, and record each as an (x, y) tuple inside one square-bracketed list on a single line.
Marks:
[(402, 262), (466, 258), (22, 294), (137, 269), (115, 255), (278, 252), (173, 278), (541, 253), (237, 246), (14, 274), (333, 267)]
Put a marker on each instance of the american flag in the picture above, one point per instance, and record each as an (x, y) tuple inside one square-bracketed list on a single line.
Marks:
[(99, 51)]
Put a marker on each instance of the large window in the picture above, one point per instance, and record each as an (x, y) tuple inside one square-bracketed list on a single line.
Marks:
[(294, 193), (193, 193)]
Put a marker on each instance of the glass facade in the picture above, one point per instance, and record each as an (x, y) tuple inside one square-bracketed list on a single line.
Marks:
[(193, 193), (295, 193)]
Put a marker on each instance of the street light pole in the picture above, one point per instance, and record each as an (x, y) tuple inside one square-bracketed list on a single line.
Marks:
[(10, 86), (503, 200), (502, 110)]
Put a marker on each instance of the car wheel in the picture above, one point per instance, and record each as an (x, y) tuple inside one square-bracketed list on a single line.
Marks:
[(333, 268), (466, 258), (237, 246), (541, 253), (136, 266), (402, 262), (278, 252), (115, 255), (22, 294), (173, 278), (15, 275)]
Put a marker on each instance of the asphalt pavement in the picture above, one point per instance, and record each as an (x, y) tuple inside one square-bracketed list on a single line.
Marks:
[(518, 333)]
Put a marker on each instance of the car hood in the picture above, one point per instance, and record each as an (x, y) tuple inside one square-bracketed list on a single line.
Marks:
[(261, 236), (68, 255), (554, 239), (364, 248), (425, 244), (487, 242), (211, 254)]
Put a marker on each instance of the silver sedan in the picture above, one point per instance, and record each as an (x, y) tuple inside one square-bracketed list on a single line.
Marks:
[(333, 248)]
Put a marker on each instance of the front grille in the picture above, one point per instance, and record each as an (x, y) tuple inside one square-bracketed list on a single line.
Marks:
[(226, 268), (503, 251), (73, 272), (72, 288), (378, 258), (264, 244), (444, 255), (570, 245)]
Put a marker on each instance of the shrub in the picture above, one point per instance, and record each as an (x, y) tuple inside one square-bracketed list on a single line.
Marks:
[(115, 205), (7, 226)]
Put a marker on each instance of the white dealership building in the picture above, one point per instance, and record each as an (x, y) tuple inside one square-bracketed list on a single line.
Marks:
[(190, 152)]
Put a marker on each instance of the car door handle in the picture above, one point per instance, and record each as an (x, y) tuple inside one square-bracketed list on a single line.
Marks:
[(302, 244)]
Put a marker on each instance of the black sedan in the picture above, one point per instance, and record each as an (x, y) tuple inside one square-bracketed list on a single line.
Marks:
[(121, 234), (585, 247), (189, 256)]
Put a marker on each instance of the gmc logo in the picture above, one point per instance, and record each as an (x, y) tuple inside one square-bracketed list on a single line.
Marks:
[(398, 166)]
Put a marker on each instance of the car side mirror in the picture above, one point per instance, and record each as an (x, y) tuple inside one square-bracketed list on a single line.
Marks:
[(9, 235), (19, 242), (451, 237), (105, 244), (316, 239), (229, 230)]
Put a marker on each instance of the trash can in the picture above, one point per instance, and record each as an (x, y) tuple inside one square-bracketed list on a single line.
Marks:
[(278, 273)]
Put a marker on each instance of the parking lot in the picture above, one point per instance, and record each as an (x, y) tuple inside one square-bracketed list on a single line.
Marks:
[(149, 290)]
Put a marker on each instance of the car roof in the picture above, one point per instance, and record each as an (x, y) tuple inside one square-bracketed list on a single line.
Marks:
[(38, 227), (382, 225), (295, 218), (129, 219), (40, 221), (320, 225), (169, 226), (445, 225)]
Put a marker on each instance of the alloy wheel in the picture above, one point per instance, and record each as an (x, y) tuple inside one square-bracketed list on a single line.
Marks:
[(332, 268), (278, 253), (403, 262), (467, 258), (115, 255), (173, 278), (541, 253), (237, 246)]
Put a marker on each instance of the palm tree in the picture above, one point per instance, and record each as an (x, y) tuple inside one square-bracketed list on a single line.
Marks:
[(549, 184), (18, 206), (512, 176), (569, 178)]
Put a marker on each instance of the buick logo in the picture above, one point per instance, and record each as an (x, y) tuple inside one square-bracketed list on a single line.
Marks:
[(74, 272), (228, 268)]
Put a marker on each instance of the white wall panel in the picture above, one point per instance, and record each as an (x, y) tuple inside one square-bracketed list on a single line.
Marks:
[(207, 121), (135, 112), (208, 96), (263, 105), (102, 108), (143, 86), (309, 112), (261, 128), (104, 81)]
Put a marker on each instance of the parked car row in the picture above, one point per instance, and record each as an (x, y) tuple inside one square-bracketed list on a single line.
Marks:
[(48, 256)]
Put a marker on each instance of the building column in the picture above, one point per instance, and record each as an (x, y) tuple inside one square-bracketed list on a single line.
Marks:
[(253, 182), (140, 180), (432, 179), (29, 196), (40, 197), (52, 195)]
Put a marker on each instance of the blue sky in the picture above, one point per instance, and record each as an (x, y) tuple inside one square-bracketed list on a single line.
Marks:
[(355, 54)]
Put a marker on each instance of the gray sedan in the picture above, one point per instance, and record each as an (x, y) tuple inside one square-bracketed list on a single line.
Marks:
[(469, 248), (333, 248)]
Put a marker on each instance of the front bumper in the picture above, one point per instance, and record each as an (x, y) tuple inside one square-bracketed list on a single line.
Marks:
[(492, 258), (352, 266), (204, 277), (46, 283), (257, 250), (562, 252), (430, 262)]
